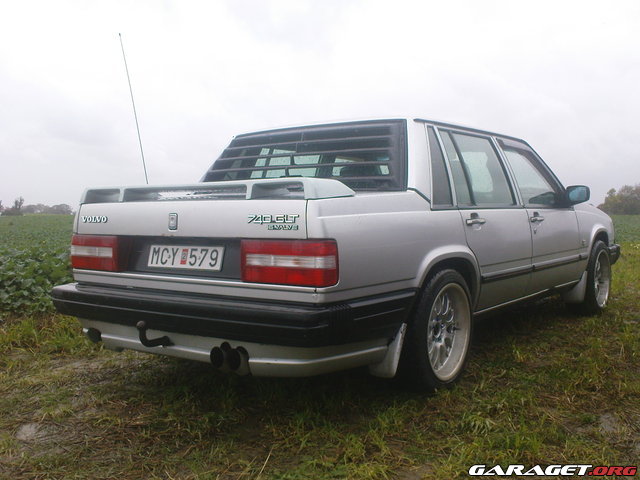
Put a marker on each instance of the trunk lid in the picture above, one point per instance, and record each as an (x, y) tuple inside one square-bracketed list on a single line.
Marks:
[(270, 208), (216, 215)]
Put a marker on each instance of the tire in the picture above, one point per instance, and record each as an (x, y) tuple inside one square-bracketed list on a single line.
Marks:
[(439, 334), (598, 281)]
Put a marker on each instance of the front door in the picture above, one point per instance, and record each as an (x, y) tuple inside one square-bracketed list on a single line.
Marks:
[(554, 226)]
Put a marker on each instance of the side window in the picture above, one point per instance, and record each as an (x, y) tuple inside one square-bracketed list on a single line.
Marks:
[(484, 172), (457, 171), (535, 189), (440, 180)]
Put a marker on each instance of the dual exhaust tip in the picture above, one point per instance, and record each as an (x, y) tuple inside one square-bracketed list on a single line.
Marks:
[(227, 358)]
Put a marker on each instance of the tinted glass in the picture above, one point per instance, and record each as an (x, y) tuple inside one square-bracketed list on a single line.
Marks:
[(489, 185), (440, 180), (457, 171), (533, 186)]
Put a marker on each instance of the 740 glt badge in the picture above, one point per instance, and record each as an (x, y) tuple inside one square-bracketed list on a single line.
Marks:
[(282, 221)]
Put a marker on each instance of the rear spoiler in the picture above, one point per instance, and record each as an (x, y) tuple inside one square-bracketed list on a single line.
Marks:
[(278, 188)]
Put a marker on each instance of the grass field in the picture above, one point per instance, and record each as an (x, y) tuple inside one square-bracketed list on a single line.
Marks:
[(627, 228), (542, 386)]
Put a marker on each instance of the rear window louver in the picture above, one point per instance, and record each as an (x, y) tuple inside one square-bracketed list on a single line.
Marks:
[(363, 155)]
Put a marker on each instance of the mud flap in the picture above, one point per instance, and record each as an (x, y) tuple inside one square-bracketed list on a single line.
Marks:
[(578, 292), (389, 364)]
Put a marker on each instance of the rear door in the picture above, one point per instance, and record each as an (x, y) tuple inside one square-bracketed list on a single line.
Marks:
[(496, 227), (554, 226)]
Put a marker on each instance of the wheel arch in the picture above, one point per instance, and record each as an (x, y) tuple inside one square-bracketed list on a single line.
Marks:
[(462, 260), (600, 234)]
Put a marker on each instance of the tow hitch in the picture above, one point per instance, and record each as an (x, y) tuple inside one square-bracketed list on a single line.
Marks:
[(156, 342)]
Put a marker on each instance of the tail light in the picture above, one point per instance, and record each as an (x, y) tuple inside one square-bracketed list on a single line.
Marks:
[(99, 252), (312, 263)]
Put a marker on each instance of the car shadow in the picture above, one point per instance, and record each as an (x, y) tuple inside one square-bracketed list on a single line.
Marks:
[(180, 387)]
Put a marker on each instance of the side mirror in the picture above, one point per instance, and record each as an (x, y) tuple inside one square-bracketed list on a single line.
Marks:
[(577, 194)]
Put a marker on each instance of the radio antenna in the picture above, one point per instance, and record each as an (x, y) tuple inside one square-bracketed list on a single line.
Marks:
[(135, 114)]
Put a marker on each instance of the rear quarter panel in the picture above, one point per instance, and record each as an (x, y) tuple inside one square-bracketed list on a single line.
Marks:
[(386, 241)]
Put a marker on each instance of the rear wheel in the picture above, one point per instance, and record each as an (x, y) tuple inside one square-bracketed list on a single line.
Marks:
[(439, 334)]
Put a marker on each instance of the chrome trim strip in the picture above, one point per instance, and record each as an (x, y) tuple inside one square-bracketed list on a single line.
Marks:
[(87, 274)]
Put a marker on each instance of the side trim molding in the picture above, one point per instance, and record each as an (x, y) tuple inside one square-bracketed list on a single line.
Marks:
[(541, 293), (504, 274), (536, 267), (556, 263)]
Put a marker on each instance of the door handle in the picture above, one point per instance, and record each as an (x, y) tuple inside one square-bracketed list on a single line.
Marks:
[(475, 220), (537, 218)]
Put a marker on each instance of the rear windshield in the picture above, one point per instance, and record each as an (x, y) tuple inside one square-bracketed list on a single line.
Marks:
[(363, 155)]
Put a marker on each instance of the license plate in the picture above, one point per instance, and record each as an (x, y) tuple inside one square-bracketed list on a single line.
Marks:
[(190, 257)]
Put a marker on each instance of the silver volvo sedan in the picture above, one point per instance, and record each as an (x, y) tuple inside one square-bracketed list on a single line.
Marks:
[(317, 248)]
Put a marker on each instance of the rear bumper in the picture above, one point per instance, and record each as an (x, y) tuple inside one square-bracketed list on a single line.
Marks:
[(245, 320), (263, 360)]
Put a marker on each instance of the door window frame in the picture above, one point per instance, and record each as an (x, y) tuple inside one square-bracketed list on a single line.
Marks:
[(506, 169), (537, 163)]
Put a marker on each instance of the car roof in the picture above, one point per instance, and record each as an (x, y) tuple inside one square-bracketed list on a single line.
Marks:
[(380, 119)]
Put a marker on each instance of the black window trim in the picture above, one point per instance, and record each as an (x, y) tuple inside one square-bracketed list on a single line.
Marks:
[(452, 187), (463, 165), (452, 190), (511, 174)]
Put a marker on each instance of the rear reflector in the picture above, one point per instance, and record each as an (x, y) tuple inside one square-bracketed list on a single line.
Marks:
[(99, 252), (312, 263)]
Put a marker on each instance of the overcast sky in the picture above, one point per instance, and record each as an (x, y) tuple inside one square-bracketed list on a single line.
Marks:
[(563, 75)]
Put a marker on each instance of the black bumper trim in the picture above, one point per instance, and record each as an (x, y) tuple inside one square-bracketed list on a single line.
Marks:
[(276, 323)]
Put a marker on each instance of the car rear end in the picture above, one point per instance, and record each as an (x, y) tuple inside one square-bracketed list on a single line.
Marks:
[(232, 270)]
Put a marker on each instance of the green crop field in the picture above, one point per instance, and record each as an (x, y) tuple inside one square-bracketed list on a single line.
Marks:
[(627, 228), (542, 387), (34, 256), (48, 232)]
